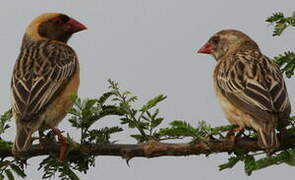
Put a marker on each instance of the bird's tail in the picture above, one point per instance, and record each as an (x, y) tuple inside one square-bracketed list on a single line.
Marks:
[(23, 138), (267, 137)]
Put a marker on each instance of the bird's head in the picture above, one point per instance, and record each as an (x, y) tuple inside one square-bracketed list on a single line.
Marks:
[(225, 42), (53, 26)]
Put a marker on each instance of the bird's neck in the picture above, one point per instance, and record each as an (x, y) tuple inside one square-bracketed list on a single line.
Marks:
[(29, 41)]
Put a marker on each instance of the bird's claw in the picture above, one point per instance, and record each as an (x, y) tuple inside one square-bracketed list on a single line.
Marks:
[(231, 134), (63, 144)]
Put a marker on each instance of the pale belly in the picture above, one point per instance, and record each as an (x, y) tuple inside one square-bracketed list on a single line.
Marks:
[(58, 109), (233, 114)]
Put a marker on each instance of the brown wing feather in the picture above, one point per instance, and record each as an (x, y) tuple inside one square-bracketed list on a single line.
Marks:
[(41, 71), (255, 85)]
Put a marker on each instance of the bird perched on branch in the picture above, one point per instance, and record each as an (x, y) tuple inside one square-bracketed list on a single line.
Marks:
[(249, 86), (44, 75)]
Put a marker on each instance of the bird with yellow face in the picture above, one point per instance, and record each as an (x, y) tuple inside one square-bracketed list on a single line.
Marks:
[(46, 72)]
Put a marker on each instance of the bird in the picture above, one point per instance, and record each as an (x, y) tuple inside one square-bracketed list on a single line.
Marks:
[(44, 76), (249, 86)]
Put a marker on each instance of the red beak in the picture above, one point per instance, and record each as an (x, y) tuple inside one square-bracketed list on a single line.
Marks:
[(206, 49), (75, 26)]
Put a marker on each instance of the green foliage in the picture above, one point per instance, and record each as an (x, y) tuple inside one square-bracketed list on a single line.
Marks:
[(4, 119), (287, 63), (51, 165), (89, 111), (145, 119), (286, 60), (252, 161), (83, 115), (232, 161), (86, 112), (182, 129), (251, 164), (280, 22), (103, 135), (67, 169), (256, 161), (10, 169)]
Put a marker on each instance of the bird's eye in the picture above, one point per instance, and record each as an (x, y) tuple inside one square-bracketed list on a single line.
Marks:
[(56, 21), (64, 18), (60, 19), (215, 40)]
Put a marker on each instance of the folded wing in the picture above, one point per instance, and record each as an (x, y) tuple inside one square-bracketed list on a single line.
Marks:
[(255, 86), (39, 75)]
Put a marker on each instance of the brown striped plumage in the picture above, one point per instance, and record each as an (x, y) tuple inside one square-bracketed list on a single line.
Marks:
[(249, 86), (45, 74)]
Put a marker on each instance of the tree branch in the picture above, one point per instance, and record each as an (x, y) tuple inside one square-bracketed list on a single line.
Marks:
[(151, 150)]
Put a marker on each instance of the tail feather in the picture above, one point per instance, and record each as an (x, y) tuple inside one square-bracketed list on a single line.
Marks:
[(267, 138), (23, 138)]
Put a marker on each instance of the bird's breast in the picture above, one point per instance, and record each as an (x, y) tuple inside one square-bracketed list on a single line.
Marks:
[(58, 109), (232, 113)]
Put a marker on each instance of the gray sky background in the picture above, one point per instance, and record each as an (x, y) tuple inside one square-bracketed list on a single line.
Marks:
[(148, 47)]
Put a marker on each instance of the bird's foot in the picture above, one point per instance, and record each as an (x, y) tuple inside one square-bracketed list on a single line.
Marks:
[(231, 134), (63, 144)]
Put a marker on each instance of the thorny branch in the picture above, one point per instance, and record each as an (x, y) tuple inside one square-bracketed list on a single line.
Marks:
[(151, 150)]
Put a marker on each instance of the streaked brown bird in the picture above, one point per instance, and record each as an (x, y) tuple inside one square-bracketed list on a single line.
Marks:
[(250, 87), (44, 75)]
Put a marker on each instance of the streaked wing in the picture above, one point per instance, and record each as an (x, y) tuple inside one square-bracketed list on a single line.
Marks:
[(40, 72), (255, 85)]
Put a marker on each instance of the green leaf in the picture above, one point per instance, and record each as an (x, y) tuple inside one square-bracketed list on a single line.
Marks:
[(145, 118), (250, 165), (106, 110), (20, 172), (231, 162), (275, 17), (68, 172), (132, 99), (125, 120), (155, 114), (280, 22), (178, 129), (102, 136), (9, 174), (142, 125), (156, 122), (74, 111), (153, 102), (105, 97), (90, 103), (286, 62), (4, 119), (291, 158), (111, 110)]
